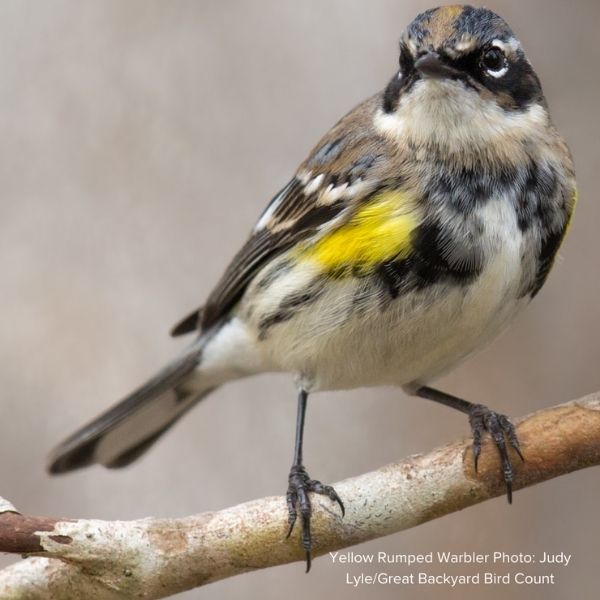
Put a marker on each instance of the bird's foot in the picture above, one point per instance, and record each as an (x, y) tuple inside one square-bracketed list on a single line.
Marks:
[(298, 501), (501, 430)]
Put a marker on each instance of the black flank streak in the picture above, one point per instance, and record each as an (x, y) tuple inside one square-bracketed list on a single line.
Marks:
[(393, 275), (290, 305), (548, 250), (280, 268), (527, 201), (554, 229), (273, 319), (544, 189), (296, 300)]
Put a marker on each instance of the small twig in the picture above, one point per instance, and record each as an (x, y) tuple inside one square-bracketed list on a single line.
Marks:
[(155, 558)]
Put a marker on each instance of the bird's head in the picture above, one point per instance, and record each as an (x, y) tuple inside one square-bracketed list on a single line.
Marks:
[(463, 81)]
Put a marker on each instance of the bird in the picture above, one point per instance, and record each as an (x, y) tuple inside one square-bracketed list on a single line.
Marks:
[(414, 232)]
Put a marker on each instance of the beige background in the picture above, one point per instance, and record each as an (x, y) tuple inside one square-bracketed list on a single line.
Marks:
[(138, 142)]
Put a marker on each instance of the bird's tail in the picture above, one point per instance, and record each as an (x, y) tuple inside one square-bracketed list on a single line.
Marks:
[(125, 431)]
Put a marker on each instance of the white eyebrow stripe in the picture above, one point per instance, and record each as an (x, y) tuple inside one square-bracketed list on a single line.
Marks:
[(465, 45), (511, 46), (411, 46)]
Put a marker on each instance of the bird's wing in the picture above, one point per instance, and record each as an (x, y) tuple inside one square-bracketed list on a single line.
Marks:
[(348, 166)]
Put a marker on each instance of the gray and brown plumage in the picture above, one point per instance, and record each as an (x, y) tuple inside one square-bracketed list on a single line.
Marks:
[(417, 228)]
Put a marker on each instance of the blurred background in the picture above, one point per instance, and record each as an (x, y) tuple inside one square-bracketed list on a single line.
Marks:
[(138, 143)]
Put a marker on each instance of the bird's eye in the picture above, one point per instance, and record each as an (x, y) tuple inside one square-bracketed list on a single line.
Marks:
[(494, 62)]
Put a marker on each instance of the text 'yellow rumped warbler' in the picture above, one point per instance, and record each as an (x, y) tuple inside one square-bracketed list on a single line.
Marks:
[(414, 232)]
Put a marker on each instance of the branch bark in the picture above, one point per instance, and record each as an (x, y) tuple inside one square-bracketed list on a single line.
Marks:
[(155, 558)]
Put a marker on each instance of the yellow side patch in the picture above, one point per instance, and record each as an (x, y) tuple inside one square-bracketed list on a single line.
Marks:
[(378, 231)]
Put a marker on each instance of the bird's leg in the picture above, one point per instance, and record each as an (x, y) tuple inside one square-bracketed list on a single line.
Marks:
[(481, 419), (299, 484)]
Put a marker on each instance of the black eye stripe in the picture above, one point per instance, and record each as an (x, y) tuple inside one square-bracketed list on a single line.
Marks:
[(406, 60), (480, 60)]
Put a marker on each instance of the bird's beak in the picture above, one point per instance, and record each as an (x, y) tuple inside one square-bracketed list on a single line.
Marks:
[(432, 65)]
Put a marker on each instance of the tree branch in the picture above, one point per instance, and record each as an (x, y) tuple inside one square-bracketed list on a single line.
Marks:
[(155, 558)]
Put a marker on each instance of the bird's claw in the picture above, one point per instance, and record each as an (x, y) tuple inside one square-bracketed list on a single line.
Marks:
[(298, 500), (500, 429)]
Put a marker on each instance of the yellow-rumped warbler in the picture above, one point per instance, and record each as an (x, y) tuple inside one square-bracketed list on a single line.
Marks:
[(411, 235)]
